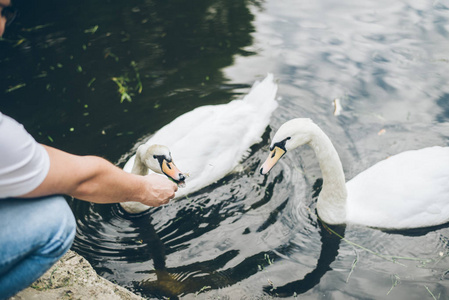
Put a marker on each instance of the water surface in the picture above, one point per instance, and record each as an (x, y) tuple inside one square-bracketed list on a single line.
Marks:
[(247, 235)]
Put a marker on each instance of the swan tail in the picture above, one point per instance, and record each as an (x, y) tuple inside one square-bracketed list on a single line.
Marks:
[(262, 99), (263, 93)]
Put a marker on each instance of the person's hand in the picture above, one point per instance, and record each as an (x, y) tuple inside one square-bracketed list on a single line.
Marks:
[(160, 190)]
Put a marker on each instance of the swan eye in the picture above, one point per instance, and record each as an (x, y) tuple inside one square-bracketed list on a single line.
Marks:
[(280, 145), (154, 156)]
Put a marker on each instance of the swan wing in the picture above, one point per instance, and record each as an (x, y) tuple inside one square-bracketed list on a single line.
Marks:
[(408, 190), (209, 141)]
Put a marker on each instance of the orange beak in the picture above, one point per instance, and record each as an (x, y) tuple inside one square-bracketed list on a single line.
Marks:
[(169, 169), (272, 159)]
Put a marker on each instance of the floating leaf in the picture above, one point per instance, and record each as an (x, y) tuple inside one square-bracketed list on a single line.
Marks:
[(395, 281), (91, 81), (91, 30), (19, 42), (41, 75), (111, 55), (125, 96), (433, 296), (139, 82), (202, 290), (36, 27), (21, 85), (122, 89), (337, 107)]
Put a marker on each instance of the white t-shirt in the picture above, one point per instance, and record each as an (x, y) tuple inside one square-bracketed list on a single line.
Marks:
[(24, 163)]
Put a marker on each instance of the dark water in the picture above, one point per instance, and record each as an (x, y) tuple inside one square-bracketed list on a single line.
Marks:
[(247, 236)]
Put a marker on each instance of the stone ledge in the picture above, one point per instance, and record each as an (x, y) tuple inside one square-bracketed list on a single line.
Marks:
[(72, 277)]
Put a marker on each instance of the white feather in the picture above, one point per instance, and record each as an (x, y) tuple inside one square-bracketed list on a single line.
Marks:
[(407, 190), (209, 142)]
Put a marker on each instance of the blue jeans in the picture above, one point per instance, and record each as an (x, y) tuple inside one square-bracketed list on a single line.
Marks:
[(34, 234)]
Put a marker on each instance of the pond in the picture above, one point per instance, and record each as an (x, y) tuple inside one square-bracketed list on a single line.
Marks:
[(247, 235)]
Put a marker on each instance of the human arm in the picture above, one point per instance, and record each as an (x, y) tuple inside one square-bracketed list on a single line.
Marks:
[(94, 179)]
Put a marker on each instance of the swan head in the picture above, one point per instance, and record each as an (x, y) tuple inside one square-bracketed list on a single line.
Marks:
[(290, 135), (158, 159)]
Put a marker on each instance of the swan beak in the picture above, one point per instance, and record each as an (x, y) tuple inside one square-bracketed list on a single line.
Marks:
[(169, 169), (272, 159)]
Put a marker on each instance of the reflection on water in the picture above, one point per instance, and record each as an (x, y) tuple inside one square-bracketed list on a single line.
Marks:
[(247, 235)]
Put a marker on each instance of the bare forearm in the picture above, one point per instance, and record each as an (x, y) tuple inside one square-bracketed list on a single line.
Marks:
[(94, 179), (105, 183)]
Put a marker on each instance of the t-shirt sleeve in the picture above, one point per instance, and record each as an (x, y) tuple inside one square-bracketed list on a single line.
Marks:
[(24, 163)]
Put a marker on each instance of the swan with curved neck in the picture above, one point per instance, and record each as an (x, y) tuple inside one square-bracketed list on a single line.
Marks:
[(156, 158), (212, 140), (407, 190)]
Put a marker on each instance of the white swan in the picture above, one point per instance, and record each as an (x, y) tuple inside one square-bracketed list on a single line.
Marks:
[(156, 158), (210, 141), (407, 190)]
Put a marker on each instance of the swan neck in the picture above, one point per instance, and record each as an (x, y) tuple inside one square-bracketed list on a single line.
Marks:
[(331, 203), (139, 168)]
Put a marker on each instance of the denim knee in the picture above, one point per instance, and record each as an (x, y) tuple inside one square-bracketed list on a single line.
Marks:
[(60, 226), (40, 226), (35, 234)]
